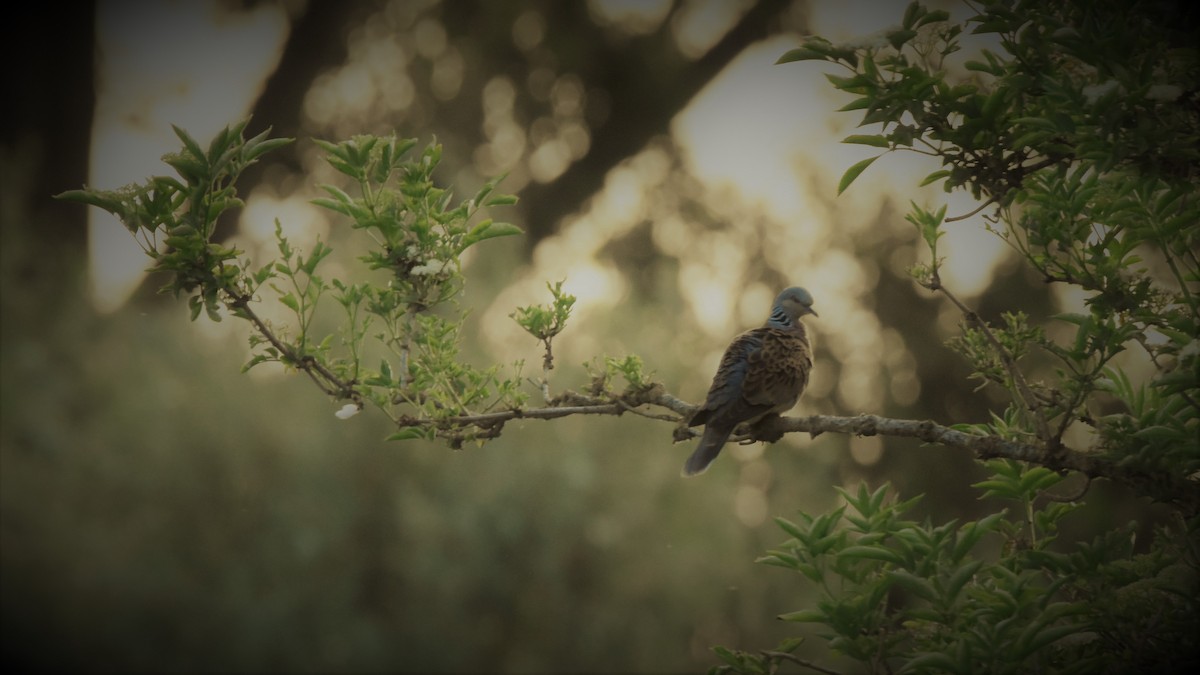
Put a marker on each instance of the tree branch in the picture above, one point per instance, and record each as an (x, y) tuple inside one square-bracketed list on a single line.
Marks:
[(328, 382), (1159, 486)]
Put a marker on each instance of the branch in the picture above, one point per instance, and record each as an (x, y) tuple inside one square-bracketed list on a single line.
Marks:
[(981, 207), (1159, 486), (326, 380)]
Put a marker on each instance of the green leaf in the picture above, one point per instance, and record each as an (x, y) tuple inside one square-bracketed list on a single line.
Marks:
[(934, 177), (853, 172), (793, 530), (103, 199), (960, 578), (899, 37), (258, 358), (253, 152), (290, 302), (857, 104), (408, 434), (789, 645), (488, 230), (876, 141), (1072, 317), (934, 17), (1044, 637), (919, 586), (871, 553), (804, 616), (913, 12), (801, 54), (189, 143), (501, 200), (971, 533), (1038, 478)]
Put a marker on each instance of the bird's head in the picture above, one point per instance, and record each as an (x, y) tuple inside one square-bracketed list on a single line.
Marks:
[(790, 305)]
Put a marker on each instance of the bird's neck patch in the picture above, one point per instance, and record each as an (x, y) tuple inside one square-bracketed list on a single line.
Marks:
[(780, 318)]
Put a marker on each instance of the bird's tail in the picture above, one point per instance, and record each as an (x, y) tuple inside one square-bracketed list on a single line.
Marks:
[(710, 446)]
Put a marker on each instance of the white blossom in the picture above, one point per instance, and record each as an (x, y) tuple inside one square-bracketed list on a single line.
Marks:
[(349, 410), (430, 267)]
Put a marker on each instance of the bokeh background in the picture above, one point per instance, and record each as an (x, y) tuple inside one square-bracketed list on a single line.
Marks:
[(163, 512)]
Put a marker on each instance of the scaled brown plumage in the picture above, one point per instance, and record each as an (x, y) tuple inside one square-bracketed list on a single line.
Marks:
[(763, 372)]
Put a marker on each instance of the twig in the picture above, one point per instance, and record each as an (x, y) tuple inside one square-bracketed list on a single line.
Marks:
[(981, 207), (326, 380), (547, 366), (784, 656), (1028, 398)]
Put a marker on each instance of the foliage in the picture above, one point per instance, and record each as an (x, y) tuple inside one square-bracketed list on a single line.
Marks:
[(418, 232), (1080, 138), (544, 322), (991, 595), (1083, 136)]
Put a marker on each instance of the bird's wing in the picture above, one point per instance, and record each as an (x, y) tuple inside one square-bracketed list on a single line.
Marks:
[(726, 389)]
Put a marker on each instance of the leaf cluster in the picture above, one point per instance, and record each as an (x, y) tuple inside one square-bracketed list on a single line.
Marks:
[(418, 233), (989, 595), (1082, 131), (173, 218)]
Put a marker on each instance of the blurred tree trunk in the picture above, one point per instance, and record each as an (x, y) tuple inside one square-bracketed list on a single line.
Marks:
[(45, 140), (316, 42), (45, 137), (647, 80), (649, 83)]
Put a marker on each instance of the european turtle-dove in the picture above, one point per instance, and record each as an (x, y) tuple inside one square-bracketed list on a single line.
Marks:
[(762, 373)]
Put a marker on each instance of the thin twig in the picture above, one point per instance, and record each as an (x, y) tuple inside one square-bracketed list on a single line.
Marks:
[(326, 380), (784, 656), (1024, 391), (981, 207), (547, 366)]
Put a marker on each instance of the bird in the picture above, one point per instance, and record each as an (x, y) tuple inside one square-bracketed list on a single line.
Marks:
[(763, 372)]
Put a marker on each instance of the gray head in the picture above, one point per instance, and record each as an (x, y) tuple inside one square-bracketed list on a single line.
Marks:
[(789, 306)]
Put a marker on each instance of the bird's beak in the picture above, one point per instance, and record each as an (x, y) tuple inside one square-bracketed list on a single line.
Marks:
[(813, 312)]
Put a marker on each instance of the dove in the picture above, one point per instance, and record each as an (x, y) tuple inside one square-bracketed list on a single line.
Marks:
[(763, 372)]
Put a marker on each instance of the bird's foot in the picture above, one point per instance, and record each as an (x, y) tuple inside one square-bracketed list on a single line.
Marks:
[(766, 430)]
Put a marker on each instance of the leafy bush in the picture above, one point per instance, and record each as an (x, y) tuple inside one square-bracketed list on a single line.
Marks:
[(1082, 138)]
